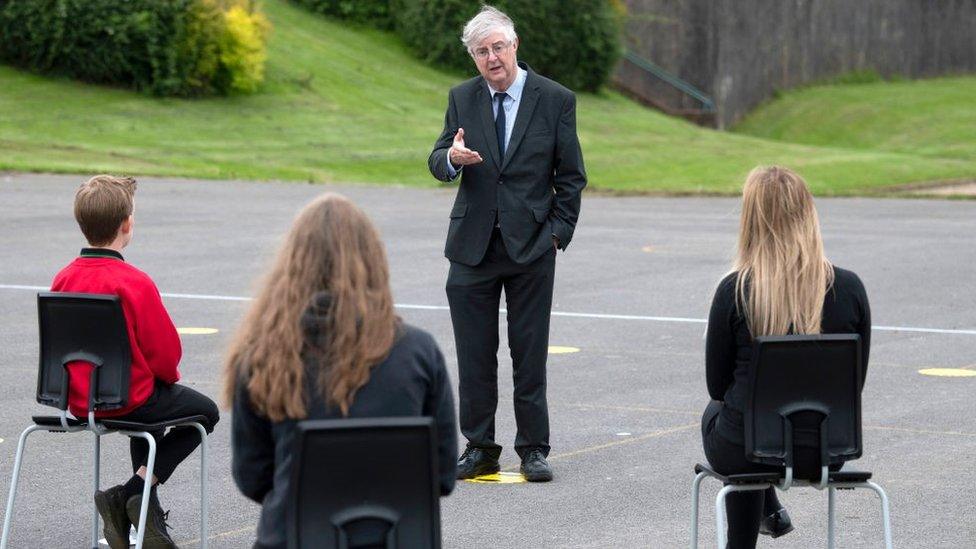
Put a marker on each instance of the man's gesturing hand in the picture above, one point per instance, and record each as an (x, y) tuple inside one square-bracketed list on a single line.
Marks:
[(461, 155)]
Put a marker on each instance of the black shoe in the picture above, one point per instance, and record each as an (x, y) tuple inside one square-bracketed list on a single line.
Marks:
[(776, 525), (157, 534), (111, 506), (475, 462), (535, 468)]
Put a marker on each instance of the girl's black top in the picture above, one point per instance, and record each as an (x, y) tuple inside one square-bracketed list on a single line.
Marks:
[(411, 381), (728, 343)]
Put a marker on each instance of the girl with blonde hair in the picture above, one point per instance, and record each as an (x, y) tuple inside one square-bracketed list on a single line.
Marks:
[(322, 341), (781, 283)]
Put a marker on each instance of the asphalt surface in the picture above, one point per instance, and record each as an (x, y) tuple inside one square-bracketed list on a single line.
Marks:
[(624, 409)]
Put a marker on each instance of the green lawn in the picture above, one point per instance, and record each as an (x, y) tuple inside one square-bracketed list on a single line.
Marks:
[(934, 118), (350, 105)]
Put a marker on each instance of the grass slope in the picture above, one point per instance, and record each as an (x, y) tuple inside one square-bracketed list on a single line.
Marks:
[(934, 118), (353, 105)]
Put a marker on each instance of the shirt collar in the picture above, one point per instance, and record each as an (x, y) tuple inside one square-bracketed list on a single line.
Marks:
[(101, 253), (515, 90)]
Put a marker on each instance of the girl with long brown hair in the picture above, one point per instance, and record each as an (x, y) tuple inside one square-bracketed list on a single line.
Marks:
[(781, 283), (320, 341)]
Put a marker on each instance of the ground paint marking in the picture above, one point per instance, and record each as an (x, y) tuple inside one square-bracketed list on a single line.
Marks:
[(623, 434), (502, 477), (557, 350), (243, 530), (598, 447), (947, 372), (673, 319), (647, 249), (189, 330)]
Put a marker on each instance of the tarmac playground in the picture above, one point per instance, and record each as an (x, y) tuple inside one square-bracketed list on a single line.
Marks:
[(626, 369)]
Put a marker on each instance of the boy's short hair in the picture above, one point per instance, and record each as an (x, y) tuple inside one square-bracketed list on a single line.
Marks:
[(101, 205)]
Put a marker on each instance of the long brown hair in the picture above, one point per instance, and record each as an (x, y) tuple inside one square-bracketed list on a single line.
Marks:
[(332, 247), (783, 273)]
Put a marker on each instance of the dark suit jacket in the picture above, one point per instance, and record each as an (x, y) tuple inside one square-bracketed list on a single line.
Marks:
[(535, 190)]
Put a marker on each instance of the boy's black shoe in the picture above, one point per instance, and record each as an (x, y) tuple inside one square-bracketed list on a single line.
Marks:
[(157, 534), (475, 462), (111, 506), (776, 525), (535, 468)]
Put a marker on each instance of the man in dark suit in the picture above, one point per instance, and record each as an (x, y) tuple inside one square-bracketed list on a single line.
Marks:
[(511, 136)]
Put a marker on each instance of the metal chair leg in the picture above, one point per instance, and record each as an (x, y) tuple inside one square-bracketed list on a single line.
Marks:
[(147, 486), (95, 517), (204, 483), (831, 494), (885, 512), (13, 483), (695, 494), (721, 533)]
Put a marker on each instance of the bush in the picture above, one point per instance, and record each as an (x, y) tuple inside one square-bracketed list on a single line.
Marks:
[(371, 12), (575, 42), (164, 47)]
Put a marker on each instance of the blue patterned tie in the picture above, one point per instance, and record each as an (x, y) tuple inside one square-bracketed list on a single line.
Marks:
[(500, 122)]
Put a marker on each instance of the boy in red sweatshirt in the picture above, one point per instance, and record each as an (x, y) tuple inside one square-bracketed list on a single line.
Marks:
[(103, 209)]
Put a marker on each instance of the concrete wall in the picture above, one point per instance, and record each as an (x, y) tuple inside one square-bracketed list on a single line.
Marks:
[(741, 51)]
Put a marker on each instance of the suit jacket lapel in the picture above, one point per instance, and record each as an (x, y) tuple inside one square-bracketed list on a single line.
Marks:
[(530, 96), (483, 104)]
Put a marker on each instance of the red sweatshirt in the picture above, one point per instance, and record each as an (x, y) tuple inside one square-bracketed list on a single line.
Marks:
[(156, 348)]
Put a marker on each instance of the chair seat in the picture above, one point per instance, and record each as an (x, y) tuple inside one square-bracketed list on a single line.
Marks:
[(774, 477), (123, 425), (850, 476), (55, 421)]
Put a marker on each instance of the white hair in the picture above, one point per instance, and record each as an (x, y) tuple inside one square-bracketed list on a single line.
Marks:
[(487, 21)]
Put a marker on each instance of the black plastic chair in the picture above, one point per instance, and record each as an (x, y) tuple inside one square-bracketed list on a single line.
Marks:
[(91, 328), (360, 483), (800, 387)]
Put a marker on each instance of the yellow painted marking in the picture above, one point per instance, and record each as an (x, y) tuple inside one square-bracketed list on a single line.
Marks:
[(948, 372), (598, 447), (188, 330), (558, 350), (628, 408), (647, 249), (503, 477), (920, 431)]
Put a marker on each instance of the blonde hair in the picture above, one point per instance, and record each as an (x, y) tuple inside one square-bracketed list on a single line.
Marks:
[(332, 247), (101, 205), (783, 273)]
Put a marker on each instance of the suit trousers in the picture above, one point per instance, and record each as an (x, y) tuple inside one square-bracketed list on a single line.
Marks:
[(474, 294)]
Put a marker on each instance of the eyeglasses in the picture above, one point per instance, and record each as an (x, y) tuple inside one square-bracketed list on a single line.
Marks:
[(497, 48)]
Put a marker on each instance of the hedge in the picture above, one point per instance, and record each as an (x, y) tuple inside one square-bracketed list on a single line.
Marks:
[(164, 47), (576, 42), (372, 12)]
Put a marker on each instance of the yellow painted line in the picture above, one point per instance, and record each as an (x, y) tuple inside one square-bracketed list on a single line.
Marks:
[(559, 350), (243, 530), (629, 408), (947, 372), (598, 447), (920, 431), (190, 330), (503, 477), (647, 249)]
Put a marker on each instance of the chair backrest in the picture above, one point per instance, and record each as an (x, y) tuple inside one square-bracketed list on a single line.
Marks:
[(89, 328), (810, 383), (364, 483)]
